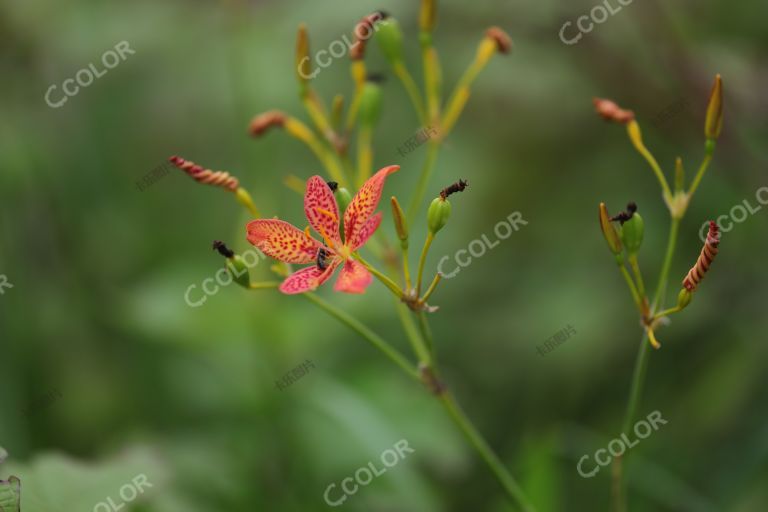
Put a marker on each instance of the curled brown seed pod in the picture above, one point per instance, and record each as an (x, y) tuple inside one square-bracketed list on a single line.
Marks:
[(206, 176), (459, 186), (707, 256), (263, 122)]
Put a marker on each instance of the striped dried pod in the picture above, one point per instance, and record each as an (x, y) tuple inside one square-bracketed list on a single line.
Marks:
[(206, 176), (610, 111), (707, 256), (363, 32)]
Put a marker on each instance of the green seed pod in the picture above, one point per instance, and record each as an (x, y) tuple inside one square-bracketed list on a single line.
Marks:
[(684, 298), (632, 234), (390, 40), (239, 270), (343, 198), (370, 104), (437, 215)]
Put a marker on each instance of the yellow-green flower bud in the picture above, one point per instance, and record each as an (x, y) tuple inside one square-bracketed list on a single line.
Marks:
[(390, 40), (401, 225), (370, 104), (609, 230), (714, 121), (437, 215), (632, 233), (684, 298)]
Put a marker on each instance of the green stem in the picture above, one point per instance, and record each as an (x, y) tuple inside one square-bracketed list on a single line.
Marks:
[(700, 174), (426, 173), (426, 332), (419, 348), (370, 336), (630, 284), (476, 440), (412, 89), (389, 283), (641, 365), (422, 261), (638, 276)]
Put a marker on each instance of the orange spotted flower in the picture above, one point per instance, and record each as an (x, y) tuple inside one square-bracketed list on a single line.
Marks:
[(285, 242)]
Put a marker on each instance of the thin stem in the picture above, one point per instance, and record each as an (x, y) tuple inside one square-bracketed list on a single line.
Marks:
[(700, 173), (422, 261), (631, 285), (426, 172), (634, 135), (431, 288), (370, 336), (476, 440), (638, 276), (426, 332), (419, 348), (666, 312), (406, 269), (389, 283), (641, 365), (264, 285), (411, 88)]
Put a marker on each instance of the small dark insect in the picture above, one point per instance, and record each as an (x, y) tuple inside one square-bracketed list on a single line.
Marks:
[(223, 249), (332, 185), (322, 258), (459, 186), (625, 216), (376, 78)]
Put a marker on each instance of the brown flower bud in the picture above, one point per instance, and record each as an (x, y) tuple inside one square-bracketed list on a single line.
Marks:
[(501, 38), (262, 122), (610, 111)]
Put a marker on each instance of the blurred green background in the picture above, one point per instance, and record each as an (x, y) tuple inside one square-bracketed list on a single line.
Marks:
[(118, 376)]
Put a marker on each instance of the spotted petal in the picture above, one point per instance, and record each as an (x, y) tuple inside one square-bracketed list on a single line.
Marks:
[(364, 203), (307, 279), (364, 233), (321, 209), (354, 278), (282, 241)]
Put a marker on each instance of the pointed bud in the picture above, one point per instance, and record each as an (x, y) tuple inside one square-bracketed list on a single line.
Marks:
[(610, 111), (714, 120), (632, 234), (303, 61), (428, 15), (401, 225), (391, 40), (370, 103), (679, 175), (609, 230), (438, 214), (684, 298)]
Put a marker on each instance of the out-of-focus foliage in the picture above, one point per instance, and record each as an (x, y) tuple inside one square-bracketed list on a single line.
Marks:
[(99, 268)]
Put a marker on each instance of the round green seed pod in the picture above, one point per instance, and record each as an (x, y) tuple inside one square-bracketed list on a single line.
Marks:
[(438, 214), (632, 233)]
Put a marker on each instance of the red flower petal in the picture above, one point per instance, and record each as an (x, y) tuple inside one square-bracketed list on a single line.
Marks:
[(307, 279), (365, 202), (321, 209), (354, 278), (282, 241)]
